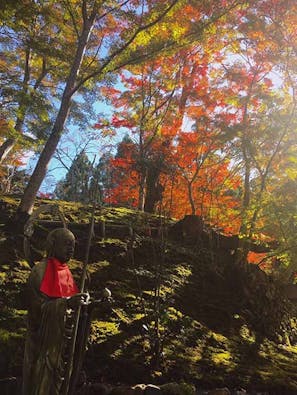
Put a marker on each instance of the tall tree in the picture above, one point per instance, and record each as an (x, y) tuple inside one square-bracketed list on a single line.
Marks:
[(125, 179), (102, 181), (143, 107), (261, 105), (76, 186)]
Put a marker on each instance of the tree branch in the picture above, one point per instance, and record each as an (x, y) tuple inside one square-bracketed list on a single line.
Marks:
[(123, 48)]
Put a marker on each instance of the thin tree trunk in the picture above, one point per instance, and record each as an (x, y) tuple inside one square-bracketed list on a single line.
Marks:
[(8, 144), (40, 170), (243, 245), (5, 148), (154, 189), (27, 202), (141, 191), (191, 199), (246, 192)]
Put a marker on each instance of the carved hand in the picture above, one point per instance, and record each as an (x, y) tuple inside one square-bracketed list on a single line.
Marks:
[(78, 300)]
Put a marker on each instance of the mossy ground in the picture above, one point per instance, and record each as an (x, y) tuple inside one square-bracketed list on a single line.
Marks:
[(179, 313)]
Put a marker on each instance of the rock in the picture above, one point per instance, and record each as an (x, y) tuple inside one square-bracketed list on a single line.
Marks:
[(188, 229), (139, 387), (219, 391), (152, 390)]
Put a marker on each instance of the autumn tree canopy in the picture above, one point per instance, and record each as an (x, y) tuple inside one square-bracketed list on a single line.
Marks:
[(204, 90)]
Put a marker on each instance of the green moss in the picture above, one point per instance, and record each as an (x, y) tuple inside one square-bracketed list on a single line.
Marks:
[(94, 267), (174, 314), (138, 316), (101, 330), (178, 389), (290, 349), (124, 294), (24, 264), (6, 336), (148, 293), (183, 271), (122, 315), (112, 241), (10, 200), (221, 358)]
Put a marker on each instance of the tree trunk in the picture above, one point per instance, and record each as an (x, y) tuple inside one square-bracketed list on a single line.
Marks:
[(191, 199), (39, 173), (154, 190), (246, 193), (243, 245), (5, 148), (8, 144), (141, 197), (27, 202)]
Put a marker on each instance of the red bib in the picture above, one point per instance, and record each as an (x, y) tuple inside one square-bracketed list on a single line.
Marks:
[(57, 281)]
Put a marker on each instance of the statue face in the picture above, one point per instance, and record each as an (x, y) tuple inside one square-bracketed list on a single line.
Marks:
[(63, 245)]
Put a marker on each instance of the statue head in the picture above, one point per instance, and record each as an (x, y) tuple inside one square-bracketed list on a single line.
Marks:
[(60, 244)]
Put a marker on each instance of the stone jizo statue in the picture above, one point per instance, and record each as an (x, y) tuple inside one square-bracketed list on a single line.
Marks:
[(53, 295)]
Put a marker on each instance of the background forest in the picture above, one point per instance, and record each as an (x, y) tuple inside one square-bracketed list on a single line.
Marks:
[(174, 107)]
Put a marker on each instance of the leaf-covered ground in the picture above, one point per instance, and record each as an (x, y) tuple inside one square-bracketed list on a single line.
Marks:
[(180, 312)]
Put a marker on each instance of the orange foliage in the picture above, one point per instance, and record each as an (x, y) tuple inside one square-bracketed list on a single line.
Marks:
[(219, 98), (256, 257)]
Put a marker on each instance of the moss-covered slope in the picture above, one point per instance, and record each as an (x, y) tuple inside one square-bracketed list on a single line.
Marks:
[(179, 312)]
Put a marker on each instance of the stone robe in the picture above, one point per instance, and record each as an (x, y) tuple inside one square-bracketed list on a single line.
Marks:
[(43, 364)]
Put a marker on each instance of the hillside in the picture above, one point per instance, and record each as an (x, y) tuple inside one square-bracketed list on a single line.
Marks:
[(182, 309)]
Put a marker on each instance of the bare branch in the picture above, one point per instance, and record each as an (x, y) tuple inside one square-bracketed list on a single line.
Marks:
[(84, 11)]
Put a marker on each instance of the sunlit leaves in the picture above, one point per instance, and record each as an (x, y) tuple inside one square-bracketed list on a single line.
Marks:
[(206, 91)]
